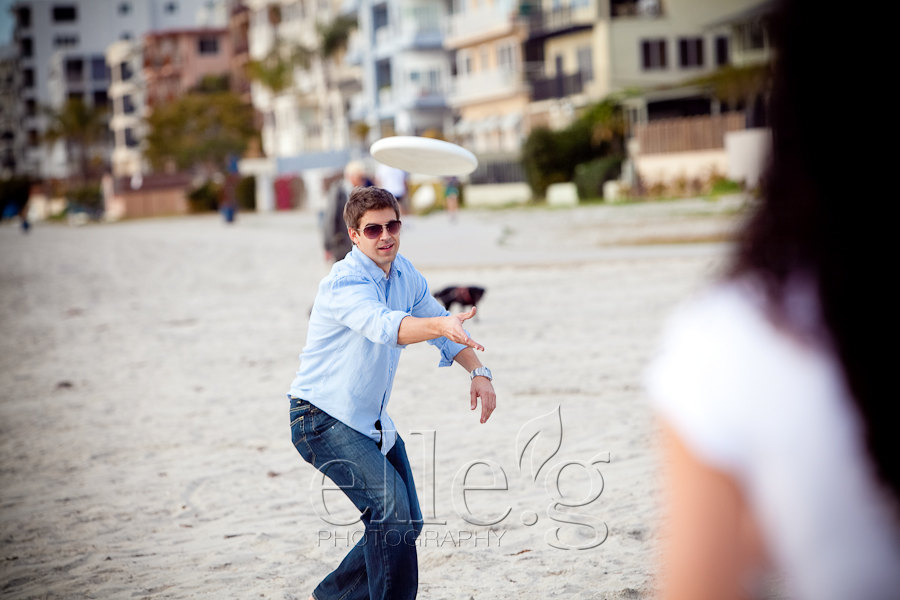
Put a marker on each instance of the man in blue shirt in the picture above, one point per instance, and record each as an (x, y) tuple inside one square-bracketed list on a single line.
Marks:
[(371, 305)]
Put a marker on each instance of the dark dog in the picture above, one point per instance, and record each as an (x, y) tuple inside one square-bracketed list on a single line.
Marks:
[(465, 296)]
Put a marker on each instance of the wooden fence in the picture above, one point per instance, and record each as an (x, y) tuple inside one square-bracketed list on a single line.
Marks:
[(688, 133)]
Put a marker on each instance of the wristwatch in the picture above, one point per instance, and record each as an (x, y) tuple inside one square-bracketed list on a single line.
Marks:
[(481, 372)]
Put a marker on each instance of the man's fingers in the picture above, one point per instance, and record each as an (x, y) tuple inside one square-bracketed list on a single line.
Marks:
[(487, 407), (473, 344), (467, 315)]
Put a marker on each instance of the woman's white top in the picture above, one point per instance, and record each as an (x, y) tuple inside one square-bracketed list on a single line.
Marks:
[(772, 410)]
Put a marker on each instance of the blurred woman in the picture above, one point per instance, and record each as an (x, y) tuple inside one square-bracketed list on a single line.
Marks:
[(774, 386)]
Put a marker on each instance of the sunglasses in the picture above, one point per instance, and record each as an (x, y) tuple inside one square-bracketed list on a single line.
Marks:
[(373, 230)]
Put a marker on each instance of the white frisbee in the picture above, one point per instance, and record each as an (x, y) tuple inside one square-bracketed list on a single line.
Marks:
[(426, 156)]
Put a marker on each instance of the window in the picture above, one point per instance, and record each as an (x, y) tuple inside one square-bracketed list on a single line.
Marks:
[(99, 71), (74, 70), (722, 57), (34, 137), (379, 17), (171, 8), (65, 13), (434, 81), (28, 78), (101, 99), (124, 9), (131, 140), (653, 54), (67, 40), (23, 17), (585, 58), (125, 71), (465, 63), (125, 36), (506, 57), (26, 47), (31, 107), (208, 45), (79, 96), (690, 52), (128, 106)]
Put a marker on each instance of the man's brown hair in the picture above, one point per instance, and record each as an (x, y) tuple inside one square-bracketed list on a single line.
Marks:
[(364, 199)]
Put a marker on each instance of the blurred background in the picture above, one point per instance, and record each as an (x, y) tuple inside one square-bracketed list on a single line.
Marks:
[(113, 109)]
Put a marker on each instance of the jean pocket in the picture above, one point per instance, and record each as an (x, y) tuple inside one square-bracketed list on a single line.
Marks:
[(300, 410)]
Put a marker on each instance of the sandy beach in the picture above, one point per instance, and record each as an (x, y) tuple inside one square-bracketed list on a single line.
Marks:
[(144, 442)]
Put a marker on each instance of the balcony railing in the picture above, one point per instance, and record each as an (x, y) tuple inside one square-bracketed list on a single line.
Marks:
[(560, 20), (495, 19), (487, 84), (545, 88)]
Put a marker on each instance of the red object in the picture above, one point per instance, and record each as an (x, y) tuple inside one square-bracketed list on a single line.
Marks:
[(284, 193)]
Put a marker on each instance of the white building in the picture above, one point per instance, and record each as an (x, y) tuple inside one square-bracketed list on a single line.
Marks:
[(69, 38), (407, 71), (306, 132)]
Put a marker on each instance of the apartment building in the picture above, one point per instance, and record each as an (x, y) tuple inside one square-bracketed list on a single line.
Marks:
[(490, 92), (681, 129), (62, 54), (407, 71), (177, 60), (305, 130)]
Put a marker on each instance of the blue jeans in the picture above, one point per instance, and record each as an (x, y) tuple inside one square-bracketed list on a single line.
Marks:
[(383, 565)]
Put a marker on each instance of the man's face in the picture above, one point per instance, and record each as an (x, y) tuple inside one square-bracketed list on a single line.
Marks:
[(382, 249)]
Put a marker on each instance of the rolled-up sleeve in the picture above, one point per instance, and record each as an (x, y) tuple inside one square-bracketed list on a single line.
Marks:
[(426, 306), (354, 302)]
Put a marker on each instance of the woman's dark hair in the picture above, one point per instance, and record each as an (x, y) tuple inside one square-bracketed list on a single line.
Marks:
[(364, 199), (822, 213)]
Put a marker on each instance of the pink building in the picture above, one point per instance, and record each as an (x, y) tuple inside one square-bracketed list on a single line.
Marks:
[(177, 60)]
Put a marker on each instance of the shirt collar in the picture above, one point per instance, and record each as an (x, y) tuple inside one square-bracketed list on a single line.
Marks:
[(369, 266)]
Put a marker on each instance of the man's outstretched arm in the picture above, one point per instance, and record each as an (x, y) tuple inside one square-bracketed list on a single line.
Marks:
[(419, 329)]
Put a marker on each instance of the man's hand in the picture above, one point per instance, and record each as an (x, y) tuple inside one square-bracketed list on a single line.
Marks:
[(452, 329), (484, 389)]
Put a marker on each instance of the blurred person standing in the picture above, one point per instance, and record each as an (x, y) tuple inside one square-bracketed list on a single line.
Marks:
[(394, 181), (774, 398), (334, 232), (451, 196)]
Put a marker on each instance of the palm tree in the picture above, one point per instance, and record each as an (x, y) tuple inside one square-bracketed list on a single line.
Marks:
[(81, 127)]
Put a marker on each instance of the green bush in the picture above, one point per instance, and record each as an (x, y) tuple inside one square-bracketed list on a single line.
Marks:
[(543, 160), (721, 185), (590, 176), (205, 198), (553, 156)]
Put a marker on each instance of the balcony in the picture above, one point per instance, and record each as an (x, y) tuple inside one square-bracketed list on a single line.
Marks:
[(413, 33), (546, 88), (486, 85), (481, 23), (560, 21)]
